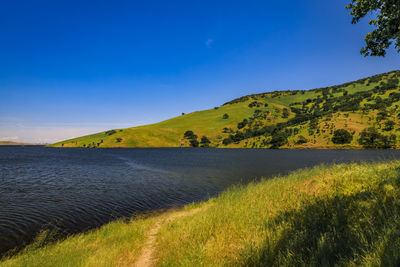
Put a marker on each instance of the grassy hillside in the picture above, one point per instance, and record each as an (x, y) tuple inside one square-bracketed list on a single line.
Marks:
[(283, 119), (346, 215)]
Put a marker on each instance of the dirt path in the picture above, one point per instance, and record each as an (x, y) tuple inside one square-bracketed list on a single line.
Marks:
[(146, 258)]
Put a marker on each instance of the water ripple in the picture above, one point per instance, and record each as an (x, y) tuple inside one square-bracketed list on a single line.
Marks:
[(73, 190)]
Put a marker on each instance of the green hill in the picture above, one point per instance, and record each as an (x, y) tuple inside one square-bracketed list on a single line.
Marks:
[(359, 114), (342, 215)]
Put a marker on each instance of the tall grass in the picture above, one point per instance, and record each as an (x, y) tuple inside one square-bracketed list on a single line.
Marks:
[(345, 215), (325, 216)]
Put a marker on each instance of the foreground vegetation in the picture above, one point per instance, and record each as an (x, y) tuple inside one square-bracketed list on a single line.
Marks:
[(359, 114), (342, 214)]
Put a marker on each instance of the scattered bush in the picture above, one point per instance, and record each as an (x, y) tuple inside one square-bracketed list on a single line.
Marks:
[(341, 136), (111, 132), (227, 141), (227, 130), (194, 143), (189, 135), (382, 114), (301, 140), (256, 104), (242, 124), (192, 138), (225, 116), (278, 139), (389, 125), (205, 142), (285, 113), (372, 139)]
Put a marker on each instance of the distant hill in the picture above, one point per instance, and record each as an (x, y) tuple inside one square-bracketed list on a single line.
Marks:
[(10, 143), (358, 114)]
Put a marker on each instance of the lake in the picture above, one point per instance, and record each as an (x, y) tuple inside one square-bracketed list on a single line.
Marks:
[(73, 190)]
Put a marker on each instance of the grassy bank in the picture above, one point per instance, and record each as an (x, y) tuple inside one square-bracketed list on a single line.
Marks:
[(342, 214)]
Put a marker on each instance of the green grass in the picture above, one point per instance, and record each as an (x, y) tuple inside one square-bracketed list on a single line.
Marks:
[(345, 215), (115, 244)]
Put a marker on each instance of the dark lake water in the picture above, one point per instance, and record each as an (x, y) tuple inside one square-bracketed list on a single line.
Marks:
[(74, 190)]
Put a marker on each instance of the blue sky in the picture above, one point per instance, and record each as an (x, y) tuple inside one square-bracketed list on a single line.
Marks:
[(69, 68)]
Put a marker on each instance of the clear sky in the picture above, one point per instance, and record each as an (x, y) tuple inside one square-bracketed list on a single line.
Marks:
[(69, 68)]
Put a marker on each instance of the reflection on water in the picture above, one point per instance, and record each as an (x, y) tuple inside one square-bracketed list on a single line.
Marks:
[(78, 189)]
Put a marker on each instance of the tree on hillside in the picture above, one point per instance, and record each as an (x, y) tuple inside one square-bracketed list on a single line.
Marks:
[(382, 114), (189, 135), (278, 139), (192, 138), (301, 140), (386, 21), (205, 142), (285, 113), (388, 126), (225, 116), (227, 141), (242, 124), (194, 143), (111, 132), (371, 138), (341, 136)]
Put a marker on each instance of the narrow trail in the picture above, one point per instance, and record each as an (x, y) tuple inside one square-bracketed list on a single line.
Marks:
[(147, 256)]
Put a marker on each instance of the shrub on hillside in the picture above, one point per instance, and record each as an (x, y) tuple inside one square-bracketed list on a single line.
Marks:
[(189, 135), (111, 132), (301, 140), (372, 139), (192, 138), (341, 136), (242, 124), (227, 141), (382, 114), (194, 143), (255, 104), (285, 113), (278, 139), (205, 142), (227, 130), (389, 125)]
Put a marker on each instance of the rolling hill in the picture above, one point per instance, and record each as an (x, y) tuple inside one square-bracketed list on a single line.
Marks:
[(358, 114)]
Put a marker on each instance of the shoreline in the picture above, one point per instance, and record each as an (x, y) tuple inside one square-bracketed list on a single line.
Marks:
[(282, 148)]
